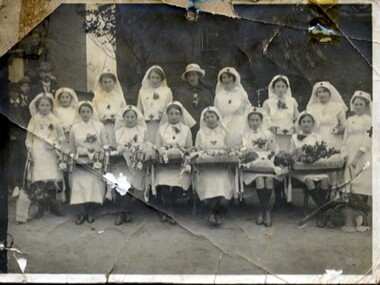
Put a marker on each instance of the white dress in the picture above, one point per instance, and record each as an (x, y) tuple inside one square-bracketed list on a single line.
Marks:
[(43, 137), (310, 139), (152, 104), (213, 180), (233, 105), (282, 118), (66, 118), (109, 105), (248, 140), (357, 137), (170, 175), (135, 177), (86, 185), (329, 115)]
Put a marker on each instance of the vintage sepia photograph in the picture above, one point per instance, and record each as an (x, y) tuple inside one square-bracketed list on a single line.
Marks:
[(158, 140)]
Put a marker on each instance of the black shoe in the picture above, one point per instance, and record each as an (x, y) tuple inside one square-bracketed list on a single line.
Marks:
[(90, 219), (267, 219), (260, 219), (321, 221), (80, 220), (120, 218), (57, 210)]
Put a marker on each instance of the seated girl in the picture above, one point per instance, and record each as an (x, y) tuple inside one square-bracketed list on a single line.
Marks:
[(258, 139), (173, 136), (129, 135), (316, 184), (214, 183)]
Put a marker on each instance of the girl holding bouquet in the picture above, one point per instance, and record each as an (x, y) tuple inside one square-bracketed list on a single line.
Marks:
[(316, 184), (213, 183), (43, 138), (232, 101), (108, 102), (130, 136), (87, 136), (173, 138), (65, 107), (259, 140), (153, 98), (282, 110)]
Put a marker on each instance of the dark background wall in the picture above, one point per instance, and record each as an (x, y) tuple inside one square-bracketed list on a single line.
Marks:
[(160, 34)]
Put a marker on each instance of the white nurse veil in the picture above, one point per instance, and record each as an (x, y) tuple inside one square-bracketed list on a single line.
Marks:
[(271, 93), (334, 94)]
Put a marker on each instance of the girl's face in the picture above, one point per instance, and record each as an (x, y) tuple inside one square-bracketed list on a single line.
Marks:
[(323, 95), (86, 113), (254, 121), (65, 99), (44, 107), (227, 79), (211, 120), (280, 88), (25, 88), (307, 124), (174, 116), (108, 84), (360, 106), (130, 119), (193, 78), (155, 79)]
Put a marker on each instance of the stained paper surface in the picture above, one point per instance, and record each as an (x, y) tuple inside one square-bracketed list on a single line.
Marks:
[(260, 39)]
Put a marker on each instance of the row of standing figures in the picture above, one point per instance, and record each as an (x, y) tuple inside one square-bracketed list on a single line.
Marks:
[(82, 127)]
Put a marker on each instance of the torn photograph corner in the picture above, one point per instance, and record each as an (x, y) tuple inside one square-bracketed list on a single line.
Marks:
[(176, 143)]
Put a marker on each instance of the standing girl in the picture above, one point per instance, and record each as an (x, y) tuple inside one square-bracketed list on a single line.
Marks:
[(316, 184), (153, 98), (258, 139), (232, 101), (86, 137), (129, 135), (44, 136), (214, 183), (282, 111), (357, 142), (174, 133), (108, 102), (65, 107), (328, 107)]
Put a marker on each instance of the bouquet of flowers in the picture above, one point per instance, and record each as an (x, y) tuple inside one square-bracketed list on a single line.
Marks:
[(318, 156), (312, 153), (171, 153), (283, 159), (138, 153), (65, 161)]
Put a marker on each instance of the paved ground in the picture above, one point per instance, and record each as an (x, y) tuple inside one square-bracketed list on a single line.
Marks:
[(147, 246)]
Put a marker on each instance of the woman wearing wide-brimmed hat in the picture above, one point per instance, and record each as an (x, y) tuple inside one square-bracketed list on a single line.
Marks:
[(194, 95)]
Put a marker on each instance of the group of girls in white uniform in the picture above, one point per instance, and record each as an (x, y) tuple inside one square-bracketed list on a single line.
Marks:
[(84, 127)]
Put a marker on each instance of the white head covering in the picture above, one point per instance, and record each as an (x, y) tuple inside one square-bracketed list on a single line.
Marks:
[(233, 71), (74, 97), (364, 95), (186, 118), (271, 93), (99, 92), (334, 94), (141, 125), (266, 123), (145, 84), (202, 122), (316, 122), (32, 106), (78, 118)]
